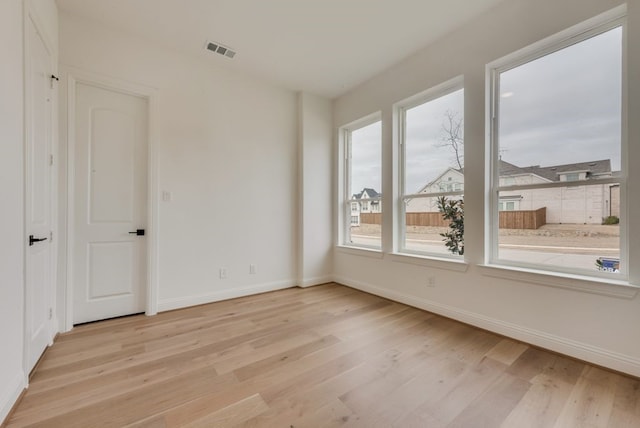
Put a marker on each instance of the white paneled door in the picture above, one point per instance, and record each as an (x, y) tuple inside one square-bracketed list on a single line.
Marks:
[(38, 190), (110, 193)]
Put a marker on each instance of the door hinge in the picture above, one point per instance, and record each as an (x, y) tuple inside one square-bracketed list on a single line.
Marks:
[(51, 236), (50, 160), (50, 313)]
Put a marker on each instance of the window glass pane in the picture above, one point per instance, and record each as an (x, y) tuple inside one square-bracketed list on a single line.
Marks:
[(426, 225), (434, 144), (536, 236), (366, 184), (560, 120), (434, 162)]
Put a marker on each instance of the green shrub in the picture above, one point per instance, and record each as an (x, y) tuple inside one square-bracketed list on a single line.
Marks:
[(612, 219), (453, 210)]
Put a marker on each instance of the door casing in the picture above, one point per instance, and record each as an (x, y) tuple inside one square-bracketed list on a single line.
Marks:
[(73, 77), (31, 20), (111, 153)]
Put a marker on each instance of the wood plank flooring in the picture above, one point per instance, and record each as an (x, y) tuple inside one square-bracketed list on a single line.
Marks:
[(327, 356)]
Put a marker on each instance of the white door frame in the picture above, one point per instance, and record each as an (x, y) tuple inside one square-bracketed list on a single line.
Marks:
[(31, 17), (74, 77)]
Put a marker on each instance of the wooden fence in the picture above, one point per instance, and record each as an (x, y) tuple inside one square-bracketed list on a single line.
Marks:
[(508, 219), (426, 219), (413, 219), (371, 218), (523, 219)]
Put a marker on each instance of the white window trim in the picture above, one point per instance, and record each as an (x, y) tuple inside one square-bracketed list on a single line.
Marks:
[(400, 227), (419, 259), (360, 251), (588, 284), (602, 23), (344, 185)]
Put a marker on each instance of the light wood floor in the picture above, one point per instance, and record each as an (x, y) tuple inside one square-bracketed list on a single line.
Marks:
[(325, 356)]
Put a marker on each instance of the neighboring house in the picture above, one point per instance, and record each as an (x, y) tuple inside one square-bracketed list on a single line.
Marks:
[(451, 180), (367, 201), (574, 203)]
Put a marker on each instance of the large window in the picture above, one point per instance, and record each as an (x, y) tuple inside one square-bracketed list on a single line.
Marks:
[(558, 178), (362, 187), (432, 171)]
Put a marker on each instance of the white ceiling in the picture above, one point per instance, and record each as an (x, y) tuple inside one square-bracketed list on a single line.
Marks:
[(324, 47)]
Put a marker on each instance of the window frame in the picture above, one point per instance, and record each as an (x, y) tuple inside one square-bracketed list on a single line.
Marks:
[(345, 192), (616, 18), (400, 110)]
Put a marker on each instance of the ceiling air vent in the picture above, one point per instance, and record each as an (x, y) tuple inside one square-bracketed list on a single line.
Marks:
[(220, 49)]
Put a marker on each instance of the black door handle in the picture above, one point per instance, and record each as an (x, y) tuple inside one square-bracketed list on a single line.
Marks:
[(32, 240), (139, 232)]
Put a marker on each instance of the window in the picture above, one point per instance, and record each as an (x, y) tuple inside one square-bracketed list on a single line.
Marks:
[(510, 206), (509, 203), (557, 150), (362, 179), (431, 137)]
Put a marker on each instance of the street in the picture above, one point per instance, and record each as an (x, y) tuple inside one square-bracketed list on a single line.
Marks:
[(565, 256)]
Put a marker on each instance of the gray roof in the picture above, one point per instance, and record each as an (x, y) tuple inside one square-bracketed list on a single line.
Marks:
[(371, 192), (552, 173)]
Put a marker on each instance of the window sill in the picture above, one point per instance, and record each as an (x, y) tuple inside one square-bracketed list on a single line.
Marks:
[(430, 261), (360, 251), (613, 288)]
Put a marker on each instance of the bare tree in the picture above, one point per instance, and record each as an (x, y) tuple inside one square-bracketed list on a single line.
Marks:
[(453, 135), (452, 209)]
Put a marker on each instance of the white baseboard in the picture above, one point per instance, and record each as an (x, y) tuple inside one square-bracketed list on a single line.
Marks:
[(582, 351), (10, 394), (317, 280), (186, 301)]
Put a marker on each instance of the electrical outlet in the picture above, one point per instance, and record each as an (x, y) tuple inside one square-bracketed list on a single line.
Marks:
[(223, 273), (431, 281), (252, 269)]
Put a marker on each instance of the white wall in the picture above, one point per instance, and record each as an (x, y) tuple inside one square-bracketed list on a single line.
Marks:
[(315, 183), (226, 150), (12, 375), (12, 213), (227, 147), (554, 313)]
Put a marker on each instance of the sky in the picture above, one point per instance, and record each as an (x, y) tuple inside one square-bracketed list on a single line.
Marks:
[(426, 157), (562, 108), (366, 158)]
